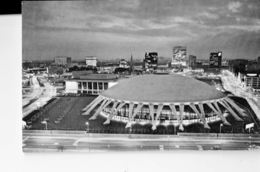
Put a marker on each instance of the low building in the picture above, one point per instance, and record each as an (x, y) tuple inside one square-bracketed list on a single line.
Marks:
[(62, 60), (91, 61), (123, 64), (247, 73), (252, 80), (91, 84)]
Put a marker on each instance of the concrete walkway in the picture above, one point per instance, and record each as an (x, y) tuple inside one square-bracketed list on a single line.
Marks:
[(230, 83)]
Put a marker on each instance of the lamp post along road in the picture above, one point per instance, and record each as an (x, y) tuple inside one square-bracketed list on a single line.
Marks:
[(87, 124), (220, 126)]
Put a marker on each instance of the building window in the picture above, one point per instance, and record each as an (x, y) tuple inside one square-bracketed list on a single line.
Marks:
[(95, 85), (90, 85), (105, 85), (84, 85), (79, 85), (100, 86)]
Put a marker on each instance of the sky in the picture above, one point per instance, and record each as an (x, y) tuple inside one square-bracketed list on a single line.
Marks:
[(111, 29)]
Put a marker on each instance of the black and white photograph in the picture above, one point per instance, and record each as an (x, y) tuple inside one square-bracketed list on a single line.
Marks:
[(140, 76)]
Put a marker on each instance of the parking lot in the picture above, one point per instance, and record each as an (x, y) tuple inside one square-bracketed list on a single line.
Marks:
[(64, 113)]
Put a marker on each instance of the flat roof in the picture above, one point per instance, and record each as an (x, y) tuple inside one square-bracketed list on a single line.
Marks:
[(95, 77)]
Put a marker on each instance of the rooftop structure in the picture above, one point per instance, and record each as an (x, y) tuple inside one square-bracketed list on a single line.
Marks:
[(161, 89)]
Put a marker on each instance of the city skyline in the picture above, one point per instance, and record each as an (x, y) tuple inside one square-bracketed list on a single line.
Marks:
[(115, 29)]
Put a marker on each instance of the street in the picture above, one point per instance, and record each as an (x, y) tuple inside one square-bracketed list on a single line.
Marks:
[(38, 97), (39, 142)]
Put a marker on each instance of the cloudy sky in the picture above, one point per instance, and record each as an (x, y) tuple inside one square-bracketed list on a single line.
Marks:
[(116, 28)]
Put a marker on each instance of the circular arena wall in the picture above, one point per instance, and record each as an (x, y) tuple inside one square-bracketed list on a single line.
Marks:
[(144, 99)]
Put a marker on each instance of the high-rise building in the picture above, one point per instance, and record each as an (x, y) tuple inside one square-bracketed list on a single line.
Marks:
[(215, 59), (192, 61), (131, 64), (62, 60), (91, 61), (179, 56), (258, 60), (151, 61)]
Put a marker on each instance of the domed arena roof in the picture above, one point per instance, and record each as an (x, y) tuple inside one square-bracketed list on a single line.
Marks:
[(161, 89)]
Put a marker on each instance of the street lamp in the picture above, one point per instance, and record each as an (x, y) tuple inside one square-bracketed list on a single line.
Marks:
[(220, 126), (87, 124), (174, 129), (130, 131)]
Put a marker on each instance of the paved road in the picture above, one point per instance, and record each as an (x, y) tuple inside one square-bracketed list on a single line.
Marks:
[(36, 91), (39, 95), (94, 143)]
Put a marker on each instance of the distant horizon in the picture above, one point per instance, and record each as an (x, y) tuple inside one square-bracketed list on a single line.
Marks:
[(116, 29), (127, 59), (138, 58)]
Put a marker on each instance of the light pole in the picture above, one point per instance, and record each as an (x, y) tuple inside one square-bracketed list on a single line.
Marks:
[(130, 131), (220, 126), (87, 124)]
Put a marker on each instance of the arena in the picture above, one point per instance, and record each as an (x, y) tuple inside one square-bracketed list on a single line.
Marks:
[(168, 100)]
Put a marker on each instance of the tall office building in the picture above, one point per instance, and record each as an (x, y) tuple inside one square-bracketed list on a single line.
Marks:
[(258, 60), (131, 64), (192, 61), (215, 59), (151, 61), (179, 56)]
